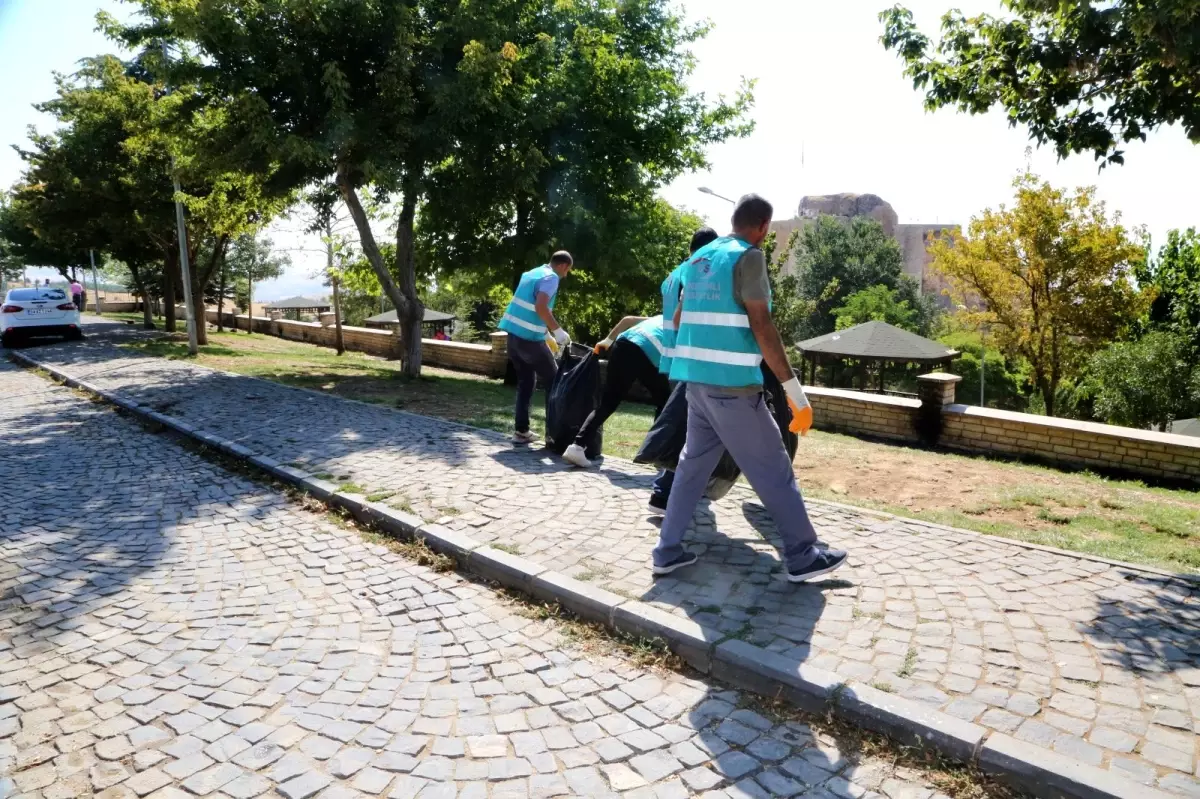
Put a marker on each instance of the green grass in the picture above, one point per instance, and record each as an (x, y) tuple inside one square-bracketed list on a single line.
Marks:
[(1119, 519), (511, 549)]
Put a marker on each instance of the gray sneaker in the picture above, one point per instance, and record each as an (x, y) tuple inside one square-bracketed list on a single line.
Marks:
[(686, 559), (827, 560)]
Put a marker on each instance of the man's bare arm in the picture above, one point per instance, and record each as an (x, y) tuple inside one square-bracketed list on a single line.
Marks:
[(623, 325), (769, 340), (542, 306)]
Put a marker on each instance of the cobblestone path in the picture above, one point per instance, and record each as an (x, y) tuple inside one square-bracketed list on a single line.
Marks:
[(170, 630), (1095, 661)]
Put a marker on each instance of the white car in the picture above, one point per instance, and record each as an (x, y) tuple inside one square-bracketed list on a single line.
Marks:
[(31, 313)]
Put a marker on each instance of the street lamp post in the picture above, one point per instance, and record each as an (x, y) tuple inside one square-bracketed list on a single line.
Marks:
[(95, 283), (707, 190), (184, 266)]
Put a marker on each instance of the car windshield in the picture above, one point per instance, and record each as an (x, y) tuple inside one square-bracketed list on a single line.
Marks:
[(17, 295)]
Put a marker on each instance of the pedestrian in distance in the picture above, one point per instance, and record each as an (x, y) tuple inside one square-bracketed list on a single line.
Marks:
[(528, 320), (77, 294), (724, 333)]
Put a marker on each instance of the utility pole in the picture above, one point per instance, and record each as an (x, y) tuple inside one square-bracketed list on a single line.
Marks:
[(184, 266), (250, 289), (95, 283), (333, 281)]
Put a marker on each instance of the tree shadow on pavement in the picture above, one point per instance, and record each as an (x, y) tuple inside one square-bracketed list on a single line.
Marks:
[(261, 415)]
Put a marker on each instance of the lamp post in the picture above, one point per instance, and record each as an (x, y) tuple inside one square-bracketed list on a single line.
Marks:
[(184, 266), (707, 190), (95, 283)]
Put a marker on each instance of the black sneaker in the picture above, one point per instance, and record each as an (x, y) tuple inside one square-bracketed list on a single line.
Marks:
[(686, 559), (827, 560), (657, 505)]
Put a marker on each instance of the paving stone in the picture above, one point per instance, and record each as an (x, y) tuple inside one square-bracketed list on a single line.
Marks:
[(252, 641), (302, 787)]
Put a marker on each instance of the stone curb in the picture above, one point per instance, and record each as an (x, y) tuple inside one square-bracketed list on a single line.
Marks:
[(1040, 771)]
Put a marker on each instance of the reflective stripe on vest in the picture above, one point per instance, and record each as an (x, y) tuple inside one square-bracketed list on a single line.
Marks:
[(647, 335), (714, 343), (520, 318)]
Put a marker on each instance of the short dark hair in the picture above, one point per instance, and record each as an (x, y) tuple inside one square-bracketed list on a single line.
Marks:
[(751, 211), (561, 257), (703, 236)]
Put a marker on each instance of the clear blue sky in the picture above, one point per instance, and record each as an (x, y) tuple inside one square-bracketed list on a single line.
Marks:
[(823, 80)]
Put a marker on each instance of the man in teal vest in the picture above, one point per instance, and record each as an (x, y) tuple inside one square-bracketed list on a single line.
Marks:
[(635, 347), (638, 352), (724, 332), (528, 320)]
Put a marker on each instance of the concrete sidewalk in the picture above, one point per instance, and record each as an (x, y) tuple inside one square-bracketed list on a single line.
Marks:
[(1095, 661)]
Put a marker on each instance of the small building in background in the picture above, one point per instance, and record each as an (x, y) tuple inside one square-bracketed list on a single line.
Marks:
[(296, 308), (433, 323), (914, 239)]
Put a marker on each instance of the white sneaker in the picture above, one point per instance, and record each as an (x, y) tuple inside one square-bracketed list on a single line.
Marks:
[(528, 437), (576, 456)]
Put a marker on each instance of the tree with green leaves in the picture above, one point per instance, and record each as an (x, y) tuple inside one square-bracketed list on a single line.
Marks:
[(837, 258), (250, 258), (103, 180), (876, 304), (1051, 279), (1174, 274), (1147, 383), (1083, 76), (454, 107)]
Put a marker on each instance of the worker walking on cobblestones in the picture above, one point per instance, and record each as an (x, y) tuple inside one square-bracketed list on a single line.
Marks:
[(724, 333), (528, 319)]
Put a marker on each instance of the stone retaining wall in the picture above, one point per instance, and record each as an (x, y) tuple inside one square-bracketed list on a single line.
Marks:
[(477, 358), (117, 307), (858, 413), (1066, 441)]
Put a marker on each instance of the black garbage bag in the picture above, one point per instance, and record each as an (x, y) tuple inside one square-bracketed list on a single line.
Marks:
[(664, 442), (574, 394)]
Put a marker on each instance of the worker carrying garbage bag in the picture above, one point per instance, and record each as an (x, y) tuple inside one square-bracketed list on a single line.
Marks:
[(528, 320), (665, 439)]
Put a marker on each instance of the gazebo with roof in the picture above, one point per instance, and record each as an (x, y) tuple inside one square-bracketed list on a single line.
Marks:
[(294, 306), (874, 343)]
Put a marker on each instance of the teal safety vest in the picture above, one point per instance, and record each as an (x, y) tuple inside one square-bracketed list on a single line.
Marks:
[(648, 335), (714, 343), (520, 317), (670, 295)]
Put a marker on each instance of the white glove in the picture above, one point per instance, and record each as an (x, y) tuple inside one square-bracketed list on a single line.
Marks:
[(561, 338), (802, 417)]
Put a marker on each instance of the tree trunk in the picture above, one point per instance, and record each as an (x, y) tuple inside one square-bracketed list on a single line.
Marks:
[(404, 297), (1047, 389), (198, 309), (221, 300), (147, 311), (172, 266), (337, 317)]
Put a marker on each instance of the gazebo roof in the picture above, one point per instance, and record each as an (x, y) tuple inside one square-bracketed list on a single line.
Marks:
[(298, 303), (391, 317), (878, 341)]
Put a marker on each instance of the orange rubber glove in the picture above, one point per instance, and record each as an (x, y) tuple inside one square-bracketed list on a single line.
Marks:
[(802, 415)]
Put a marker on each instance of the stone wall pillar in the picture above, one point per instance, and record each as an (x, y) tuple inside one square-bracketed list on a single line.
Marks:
[(499, 342), (936, 391)]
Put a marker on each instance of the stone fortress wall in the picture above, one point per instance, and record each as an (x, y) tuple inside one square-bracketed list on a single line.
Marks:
[(913, 238)]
